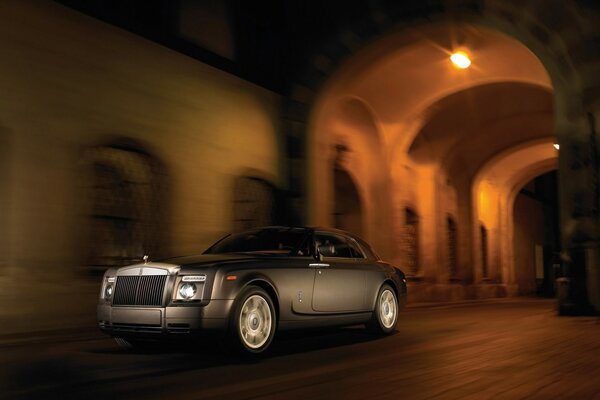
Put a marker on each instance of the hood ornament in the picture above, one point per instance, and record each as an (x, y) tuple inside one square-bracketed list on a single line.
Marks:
[(145, 259)]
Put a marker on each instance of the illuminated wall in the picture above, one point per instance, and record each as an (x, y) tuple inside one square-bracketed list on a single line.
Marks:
[(85, 104), (431, 135)]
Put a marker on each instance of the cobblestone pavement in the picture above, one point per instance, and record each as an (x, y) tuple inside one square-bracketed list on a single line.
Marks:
[(506, 349)]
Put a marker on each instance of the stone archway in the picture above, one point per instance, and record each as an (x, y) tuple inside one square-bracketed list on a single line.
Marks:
[(551, 43), (351, 141), (347, 204), (535, 236), (494, 192)]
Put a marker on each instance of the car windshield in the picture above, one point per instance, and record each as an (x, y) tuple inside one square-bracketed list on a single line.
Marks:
[(272, 241)]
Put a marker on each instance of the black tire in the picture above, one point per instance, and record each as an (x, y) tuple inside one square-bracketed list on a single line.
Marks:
[(385, 315), (254, 321)]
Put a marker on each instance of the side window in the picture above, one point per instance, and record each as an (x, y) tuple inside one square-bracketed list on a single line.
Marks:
[(330, 245), (305, 248)]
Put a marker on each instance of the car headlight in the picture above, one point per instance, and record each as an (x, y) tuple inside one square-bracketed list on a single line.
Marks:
[(187, 290), (108, 291), (108, 288)]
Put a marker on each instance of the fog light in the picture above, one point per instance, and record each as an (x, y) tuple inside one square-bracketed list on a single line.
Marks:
[(108, 291), (187, 290)]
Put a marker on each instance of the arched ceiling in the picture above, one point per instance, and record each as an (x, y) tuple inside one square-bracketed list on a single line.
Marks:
[(507, 172), (401, 75), (467, 128), (423, 107)]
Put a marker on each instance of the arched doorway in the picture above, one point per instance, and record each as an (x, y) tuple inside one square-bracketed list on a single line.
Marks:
[(350, 142), (126, 192), (537, 236), (255, 203), (496, 189), (347, 213)]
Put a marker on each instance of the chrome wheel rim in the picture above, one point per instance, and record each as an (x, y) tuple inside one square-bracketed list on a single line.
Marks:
[(388, 309), (255, 322)]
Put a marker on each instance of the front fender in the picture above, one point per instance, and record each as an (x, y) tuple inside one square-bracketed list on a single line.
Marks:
[(227, 288)]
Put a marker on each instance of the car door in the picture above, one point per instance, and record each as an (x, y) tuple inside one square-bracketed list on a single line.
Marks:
[(340, 277)]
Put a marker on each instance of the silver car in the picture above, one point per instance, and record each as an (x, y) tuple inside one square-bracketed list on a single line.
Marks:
[(252, 284)]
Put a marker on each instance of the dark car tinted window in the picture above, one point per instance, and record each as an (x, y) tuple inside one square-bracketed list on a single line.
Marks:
[(282, 241), (331, 245)]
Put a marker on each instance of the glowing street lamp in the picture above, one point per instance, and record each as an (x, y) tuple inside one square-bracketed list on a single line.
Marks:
[(460, 59)]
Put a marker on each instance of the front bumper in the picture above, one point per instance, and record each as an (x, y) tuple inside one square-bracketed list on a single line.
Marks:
[(138, 321)]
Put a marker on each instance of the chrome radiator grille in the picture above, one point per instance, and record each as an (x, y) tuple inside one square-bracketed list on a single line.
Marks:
[(145, 290)]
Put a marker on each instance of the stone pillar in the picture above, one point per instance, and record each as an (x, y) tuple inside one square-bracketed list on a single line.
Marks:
[(592, 261), (579, 221), (592, 246)]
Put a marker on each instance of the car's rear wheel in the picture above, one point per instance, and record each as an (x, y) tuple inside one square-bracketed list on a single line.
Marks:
[(254, 320), (385, 315)]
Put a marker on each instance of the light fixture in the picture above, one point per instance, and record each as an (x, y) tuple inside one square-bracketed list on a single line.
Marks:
[(108, 291), (187, 290), (556, 146), (460, 59)]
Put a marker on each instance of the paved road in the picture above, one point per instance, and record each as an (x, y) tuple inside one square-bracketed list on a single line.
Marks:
[(509, 349)]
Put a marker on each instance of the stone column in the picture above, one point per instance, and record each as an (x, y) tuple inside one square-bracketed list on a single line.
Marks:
[(592, 245), (579, 221)]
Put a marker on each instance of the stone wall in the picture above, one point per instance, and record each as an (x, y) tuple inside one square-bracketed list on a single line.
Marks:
[(82, 101)]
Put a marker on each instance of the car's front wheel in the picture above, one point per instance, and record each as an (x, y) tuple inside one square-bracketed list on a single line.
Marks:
[(385, 314), (254, 321)]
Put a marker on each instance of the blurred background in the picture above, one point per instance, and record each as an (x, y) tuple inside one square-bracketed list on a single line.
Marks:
[(156, 127)]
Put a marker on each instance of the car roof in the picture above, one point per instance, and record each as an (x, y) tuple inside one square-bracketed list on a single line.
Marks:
[(315, 228), (308, 228)]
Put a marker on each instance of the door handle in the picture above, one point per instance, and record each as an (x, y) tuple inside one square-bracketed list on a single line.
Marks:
[(318, 265)]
